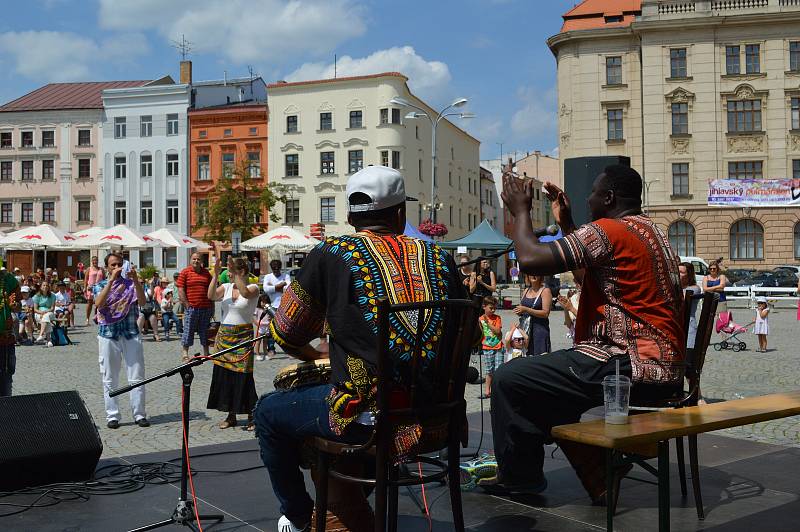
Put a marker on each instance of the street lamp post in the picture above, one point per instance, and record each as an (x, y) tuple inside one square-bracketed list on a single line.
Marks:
[(460, 102), (647, 194)]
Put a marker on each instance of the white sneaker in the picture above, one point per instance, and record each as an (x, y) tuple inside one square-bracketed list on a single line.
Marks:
[(284, 525), (49, 344), (259, 357)]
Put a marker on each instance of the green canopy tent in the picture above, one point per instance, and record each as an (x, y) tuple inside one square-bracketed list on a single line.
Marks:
[(482, 237)]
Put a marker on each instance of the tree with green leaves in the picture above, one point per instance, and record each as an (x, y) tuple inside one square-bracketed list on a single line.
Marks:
[(238, 203)]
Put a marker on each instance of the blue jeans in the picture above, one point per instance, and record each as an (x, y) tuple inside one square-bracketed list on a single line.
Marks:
[(167, 319), (283, 420)]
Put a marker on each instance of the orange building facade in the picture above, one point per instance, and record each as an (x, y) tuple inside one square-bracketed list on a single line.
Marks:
[(220, 138)]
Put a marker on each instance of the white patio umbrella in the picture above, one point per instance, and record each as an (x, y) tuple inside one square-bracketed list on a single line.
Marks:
[(80, 236), (177, 240), (120, 237), (42, 236), (281, 239)]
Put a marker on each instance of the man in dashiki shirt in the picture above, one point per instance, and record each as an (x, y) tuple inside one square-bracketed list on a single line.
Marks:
[(629, 312), (336, 292)]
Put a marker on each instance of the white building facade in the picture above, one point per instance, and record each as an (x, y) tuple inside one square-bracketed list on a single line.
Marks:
[(320, 132)]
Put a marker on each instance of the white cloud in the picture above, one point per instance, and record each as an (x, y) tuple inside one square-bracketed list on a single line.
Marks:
[(537, 116), (425, 78), (243, 31), (63, 56)]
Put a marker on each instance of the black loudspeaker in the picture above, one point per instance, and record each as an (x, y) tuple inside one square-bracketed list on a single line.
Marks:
[(579, 175), (47, 438)]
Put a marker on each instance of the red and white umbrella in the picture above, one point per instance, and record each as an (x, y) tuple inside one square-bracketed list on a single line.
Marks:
[(176, 240), (42, 236), (281, 239), (120, 236)]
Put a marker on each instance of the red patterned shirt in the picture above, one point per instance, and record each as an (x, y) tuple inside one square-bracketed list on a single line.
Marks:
[(196, 286), (630, 300)]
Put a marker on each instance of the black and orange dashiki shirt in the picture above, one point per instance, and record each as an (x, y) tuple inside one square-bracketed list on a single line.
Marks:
[(630, 301), (338, 288)]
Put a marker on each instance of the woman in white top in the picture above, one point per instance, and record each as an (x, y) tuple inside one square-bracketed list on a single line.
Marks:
[(233, 388)]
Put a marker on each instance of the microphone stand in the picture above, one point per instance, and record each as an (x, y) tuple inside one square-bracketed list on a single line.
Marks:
[(509, 249), (184, 511)]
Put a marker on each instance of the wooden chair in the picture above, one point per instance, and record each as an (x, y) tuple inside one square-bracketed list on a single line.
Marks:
[(435, 392), (695, 359)]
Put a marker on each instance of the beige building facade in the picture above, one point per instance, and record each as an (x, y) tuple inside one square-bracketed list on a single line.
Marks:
[(320, 132), (691, 91)]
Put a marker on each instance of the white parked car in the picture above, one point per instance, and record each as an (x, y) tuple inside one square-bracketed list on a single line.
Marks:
[(700, 268)]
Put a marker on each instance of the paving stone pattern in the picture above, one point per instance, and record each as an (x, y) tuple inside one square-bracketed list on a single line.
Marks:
[(40, 369)]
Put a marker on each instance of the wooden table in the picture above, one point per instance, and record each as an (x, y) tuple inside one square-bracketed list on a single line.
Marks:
[(657, 428)]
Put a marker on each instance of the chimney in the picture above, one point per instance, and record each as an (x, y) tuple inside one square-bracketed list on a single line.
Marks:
[(186, 72)]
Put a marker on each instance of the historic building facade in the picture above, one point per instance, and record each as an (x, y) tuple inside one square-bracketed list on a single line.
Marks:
[(323, 131), (691, 91)]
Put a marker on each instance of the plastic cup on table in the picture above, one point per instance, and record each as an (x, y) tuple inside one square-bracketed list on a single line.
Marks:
[(616, 398)]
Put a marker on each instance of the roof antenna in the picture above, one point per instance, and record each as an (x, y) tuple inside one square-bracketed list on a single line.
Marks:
[(334, 66), (183, 46)]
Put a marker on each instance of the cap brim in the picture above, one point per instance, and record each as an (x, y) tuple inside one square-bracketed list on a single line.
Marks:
[(409, 198)]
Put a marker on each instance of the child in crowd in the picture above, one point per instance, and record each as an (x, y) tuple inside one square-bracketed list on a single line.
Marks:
[(261, 327), (25, 315), (492, 346), (64, 306), (515, 342), (762, 323), (168, 314)]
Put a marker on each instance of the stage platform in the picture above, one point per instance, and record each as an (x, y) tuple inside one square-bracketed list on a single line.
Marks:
[(746, 487)]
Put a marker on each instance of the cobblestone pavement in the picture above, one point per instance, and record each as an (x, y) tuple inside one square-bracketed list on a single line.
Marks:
[(727, 375)]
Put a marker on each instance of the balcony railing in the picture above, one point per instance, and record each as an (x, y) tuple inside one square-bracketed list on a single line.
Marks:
[(667, 9)]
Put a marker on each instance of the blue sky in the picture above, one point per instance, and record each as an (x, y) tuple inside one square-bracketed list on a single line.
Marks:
[(490, 51)]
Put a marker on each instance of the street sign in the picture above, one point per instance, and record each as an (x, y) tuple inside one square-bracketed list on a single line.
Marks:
[(236, 241), (512, 255)]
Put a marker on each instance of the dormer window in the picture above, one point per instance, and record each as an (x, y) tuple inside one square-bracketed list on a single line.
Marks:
[(614, 19)]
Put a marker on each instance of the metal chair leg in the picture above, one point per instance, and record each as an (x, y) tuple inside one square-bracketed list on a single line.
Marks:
[(393, 498), (381, 488), (321, 503), (681, 464), (663, 486), (454, 485), (695, 468)]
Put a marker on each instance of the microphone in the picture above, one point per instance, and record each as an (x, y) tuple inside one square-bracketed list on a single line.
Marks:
[(473, 376), (550, 230)]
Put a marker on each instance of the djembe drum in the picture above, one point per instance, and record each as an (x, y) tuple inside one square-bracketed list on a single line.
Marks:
[(348, 508)]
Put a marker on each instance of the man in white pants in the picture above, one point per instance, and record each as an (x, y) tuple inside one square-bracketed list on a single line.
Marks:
[(117, 299)]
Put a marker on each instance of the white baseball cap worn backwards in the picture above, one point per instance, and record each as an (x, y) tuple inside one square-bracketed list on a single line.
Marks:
[(383, 185)]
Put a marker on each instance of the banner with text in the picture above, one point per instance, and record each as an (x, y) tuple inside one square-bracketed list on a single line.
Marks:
[(754, 192)]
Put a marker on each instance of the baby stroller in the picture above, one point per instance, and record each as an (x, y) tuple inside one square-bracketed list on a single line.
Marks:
[(725, 324)]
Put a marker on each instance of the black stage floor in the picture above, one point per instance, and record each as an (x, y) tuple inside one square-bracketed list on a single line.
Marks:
[(746, 487)]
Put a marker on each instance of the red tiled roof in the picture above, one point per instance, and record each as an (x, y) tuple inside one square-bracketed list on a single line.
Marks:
[(333, 80), (83, 95), (591, 14)]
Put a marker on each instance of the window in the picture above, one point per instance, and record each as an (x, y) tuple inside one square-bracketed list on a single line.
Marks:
[(747, 240), (732, 60), (146, 165), (752, 59), (680, 118), (796, 238), (327, 210), (84, 168), (120, 127), (146, 212), (744, 116), (681, 238), (680, 180), (172, 211), (452, 153), (795, 106), (84, 211), (395, 116), (677, 63), (172, 124), (146, 257), (6, 170), (228, 164), (7, 213), (27, 170), (120, 213), (253, 131), (254, 164), (48, 211), (202, 133), (292, 165), (84, 137), (326, 162), (615, 124), (48, 170), (384, 116), (27, 212), (450, 178), (396, 160), (227, 132), (27, 139), (292, 214), (146, 125), (796, 169), (5, 139), (356, 119), (203, 168), (384, 157), (48, 139), (202, 212), (120, 168), (325, 121), (794, 56), (614, 70), (172, 164), (355, 160), (745, 170), (451, 215), (419, 168), (169, 257), (416, 132), (291, 124)]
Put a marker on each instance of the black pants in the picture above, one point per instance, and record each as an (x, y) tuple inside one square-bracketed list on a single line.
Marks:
[(531, 395)]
